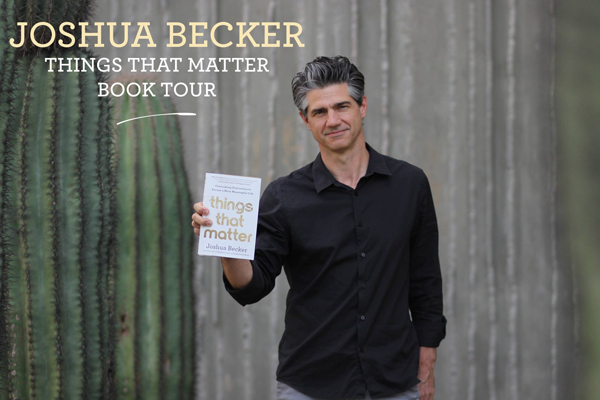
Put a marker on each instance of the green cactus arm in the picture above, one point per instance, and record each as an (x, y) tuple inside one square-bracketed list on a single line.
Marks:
[(172, 323), (53, 230), (163, 307), (10, 104), (149, 307), (91, 218), (108, 243), (7, 31), (35, 228), (69, 231), (13, 292), (126, 254), (104, 283), (186, 247), (54, 12)]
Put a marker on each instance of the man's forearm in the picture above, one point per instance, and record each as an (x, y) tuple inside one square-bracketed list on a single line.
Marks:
[(238, 272), (427, 359)]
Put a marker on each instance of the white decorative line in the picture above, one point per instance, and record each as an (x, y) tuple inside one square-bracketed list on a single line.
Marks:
[(156, 115)]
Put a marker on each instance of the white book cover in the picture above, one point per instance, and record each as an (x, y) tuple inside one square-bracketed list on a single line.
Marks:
[(232, 202)]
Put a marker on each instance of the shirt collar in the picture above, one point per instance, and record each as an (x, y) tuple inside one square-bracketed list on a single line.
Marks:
[(323, 178)]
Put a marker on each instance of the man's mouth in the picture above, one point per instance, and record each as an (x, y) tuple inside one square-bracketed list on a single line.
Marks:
[(335, 132)]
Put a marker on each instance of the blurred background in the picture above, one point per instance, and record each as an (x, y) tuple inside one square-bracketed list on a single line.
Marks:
[(496, 100)]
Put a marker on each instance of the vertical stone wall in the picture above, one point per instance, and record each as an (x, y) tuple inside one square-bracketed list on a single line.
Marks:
[(462, 88)]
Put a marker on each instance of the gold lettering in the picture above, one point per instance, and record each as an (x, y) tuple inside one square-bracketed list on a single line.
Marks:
[(247, 33), (289, 35), (214, 39), (269, 34), (111, 27), (61, 29), (12, 40), (85, 34), (143, 27), (210, 233), (198, 34), (32, 34), (172, 34)]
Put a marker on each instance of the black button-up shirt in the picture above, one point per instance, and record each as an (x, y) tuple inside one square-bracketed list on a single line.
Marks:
[(357, 260)]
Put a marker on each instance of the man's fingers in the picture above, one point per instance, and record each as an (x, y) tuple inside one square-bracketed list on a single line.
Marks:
[(198, 218), (200, 209), (198, 221), (426, 390)]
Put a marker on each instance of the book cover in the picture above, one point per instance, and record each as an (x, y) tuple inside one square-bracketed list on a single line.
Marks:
[(233, 204)]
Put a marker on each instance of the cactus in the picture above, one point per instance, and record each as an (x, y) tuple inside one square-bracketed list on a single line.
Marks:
[(56, 220), (53, 12), (577, 101), (7, 29), (153, 277)]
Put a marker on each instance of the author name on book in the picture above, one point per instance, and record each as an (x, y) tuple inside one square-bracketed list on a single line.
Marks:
[(223, 248)]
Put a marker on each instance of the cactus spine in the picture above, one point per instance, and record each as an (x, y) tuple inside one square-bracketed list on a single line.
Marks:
[(154, 302)]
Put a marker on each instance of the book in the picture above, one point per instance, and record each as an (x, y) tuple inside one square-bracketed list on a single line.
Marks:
[(232, 202)]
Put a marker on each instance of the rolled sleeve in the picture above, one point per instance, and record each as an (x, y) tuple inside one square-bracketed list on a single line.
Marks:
[(272, 248), (425, 288)]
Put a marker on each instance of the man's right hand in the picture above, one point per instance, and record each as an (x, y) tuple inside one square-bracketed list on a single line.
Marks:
[(199, 219), (238, 272)]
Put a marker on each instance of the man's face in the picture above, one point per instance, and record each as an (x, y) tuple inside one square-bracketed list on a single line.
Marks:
[(335, 119)]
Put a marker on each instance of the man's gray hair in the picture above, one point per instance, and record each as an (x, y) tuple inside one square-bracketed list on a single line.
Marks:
[(325, 71)]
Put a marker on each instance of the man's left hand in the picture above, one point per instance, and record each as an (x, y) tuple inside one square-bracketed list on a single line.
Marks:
[(426, 364)]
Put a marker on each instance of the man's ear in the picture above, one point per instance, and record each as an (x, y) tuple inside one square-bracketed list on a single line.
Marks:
[(363, 107), (304, 119)]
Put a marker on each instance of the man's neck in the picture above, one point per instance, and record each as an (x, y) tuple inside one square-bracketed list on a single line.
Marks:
[(348, 167)]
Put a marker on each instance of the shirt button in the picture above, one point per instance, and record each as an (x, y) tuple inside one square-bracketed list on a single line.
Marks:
[(361, 349), (362, 317), (363, 255), (360, 224), (356, 193)]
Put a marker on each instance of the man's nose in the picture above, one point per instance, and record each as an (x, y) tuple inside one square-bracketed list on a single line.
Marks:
[(333, 119)]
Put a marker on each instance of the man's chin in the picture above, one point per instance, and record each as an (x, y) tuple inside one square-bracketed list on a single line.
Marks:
[(336, 142), (337, 145)]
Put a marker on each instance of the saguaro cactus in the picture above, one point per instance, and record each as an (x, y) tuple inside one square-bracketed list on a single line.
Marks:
[(578, 99), (6, 32), (153, 299), (53, 12), (55, 229)]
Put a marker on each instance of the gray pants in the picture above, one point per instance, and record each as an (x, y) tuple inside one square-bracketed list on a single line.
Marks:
[(285, 392)]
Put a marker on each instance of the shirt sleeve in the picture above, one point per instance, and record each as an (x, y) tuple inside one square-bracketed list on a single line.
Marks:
[(425, 288), (272, 248)]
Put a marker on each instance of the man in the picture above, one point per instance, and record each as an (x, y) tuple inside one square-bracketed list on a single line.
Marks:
[(356, 234)]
